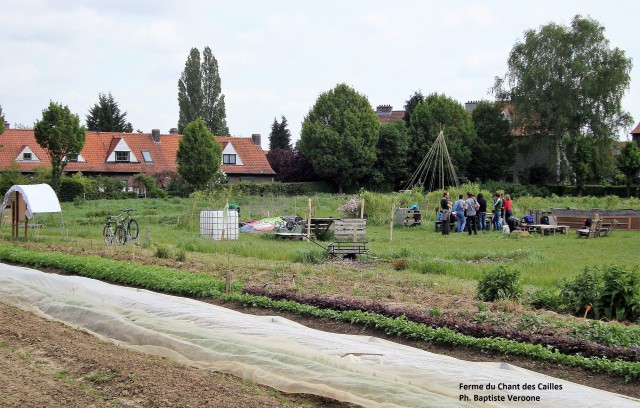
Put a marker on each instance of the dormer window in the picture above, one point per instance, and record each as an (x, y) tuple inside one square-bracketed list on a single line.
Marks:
[(229, 159), (26, 156), (122, 157), (72, 157)]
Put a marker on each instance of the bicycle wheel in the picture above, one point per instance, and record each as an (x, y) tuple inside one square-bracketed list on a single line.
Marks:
[(121, 235), (133, 229), (107, 234)]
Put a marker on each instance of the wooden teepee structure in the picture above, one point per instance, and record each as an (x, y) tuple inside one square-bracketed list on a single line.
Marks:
[(436, 172)]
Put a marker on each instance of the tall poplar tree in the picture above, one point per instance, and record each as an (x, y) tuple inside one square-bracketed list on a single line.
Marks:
[(199, 93), (1, 121)]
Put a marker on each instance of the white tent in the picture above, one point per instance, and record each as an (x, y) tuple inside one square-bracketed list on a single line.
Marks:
[(26, 201), (39, 198)]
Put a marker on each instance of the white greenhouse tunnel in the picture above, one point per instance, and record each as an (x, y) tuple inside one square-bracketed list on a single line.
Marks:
[(285, 355)]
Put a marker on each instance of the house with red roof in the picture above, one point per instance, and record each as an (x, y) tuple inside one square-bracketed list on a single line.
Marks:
[(123, 155)]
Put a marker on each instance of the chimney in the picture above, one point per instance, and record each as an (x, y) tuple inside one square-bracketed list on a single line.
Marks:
[(470, 106), (384, 110), (155, 135), (7, 125), (173, 131), (256, 139)]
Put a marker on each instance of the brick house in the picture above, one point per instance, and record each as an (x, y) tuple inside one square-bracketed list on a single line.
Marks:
[(123, 155)]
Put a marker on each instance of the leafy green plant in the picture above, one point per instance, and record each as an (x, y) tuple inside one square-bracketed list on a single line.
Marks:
[(619, 295), (400, 264), (609, 334), (499, 283), (162, 252), (580, 291), (543, 298), (181, 255)]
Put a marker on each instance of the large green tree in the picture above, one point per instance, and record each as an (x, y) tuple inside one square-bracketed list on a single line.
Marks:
[(390, 168), (59, 133), (628, 162), (199, 155), (213, 109), (411, 104), (280, 136), (339, 136), (438, 112), (494, 151), (563, 82), (199, 93), (105, 116)]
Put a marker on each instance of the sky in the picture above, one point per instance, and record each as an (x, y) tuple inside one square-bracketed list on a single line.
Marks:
[(275, 57)]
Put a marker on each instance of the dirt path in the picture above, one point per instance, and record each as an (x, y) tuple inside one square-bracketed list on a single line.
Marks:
[(47, 364)]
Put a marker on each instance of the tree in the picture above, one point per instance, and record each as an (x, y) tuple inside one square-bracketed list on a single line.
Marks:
[(411, 104), (199, 93), (213, 109), (291, 165), (1, 121), (60, 134), (390, 169), (339, 136), (628, 162), (438, 112), (105, 116), (199, 155), (494, 150), (280, 137), (566, 81)]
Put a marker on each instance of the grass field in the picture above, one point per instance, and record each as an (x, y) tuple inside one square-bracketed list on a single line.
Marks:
[(454, 262)]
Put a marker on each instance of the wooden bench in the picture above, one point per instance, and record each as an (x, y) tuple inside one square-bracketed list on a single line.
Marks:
[(348, 249), (607, 229)]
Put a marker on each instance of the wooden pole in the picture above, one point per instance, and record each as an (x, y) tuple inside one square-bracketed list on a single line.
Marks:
[(393, 210), (308, 217), (362, 209)]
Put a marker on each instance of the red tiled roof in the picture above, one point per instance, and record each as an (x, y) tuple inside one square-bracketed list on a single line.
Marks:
[(254, 159), (388, 118), (636, 131), (99, 145)]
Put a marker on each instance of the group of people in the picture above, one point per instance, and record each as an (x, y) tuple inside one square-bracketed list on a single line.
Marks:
[(470, 214)]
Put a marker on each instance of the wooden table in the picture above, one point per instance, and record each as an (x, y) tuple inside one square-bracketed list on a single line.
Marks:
[(545, 229)]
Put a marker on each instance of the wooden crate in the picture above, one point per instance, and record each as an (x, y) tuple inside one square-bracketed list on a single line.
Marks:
[(350, 229)]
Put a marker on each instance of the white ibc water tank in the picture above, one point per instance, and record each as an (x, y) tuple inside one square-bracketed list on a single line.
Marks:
[(214, 222)]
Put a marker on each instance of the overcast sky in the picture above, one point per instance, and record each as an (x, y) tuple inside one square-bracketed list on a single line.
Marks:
[(275, 57)]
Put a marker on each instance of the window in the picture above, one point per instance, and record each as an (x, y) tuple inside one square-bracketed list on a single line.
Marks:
[(26, 156), (72, 157), (228, 159), (122, 156), (147, 157)]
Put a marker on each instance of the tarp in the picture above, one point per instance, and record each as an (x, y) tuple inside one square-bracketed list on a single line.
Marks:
[(40, 198), (285, 355)]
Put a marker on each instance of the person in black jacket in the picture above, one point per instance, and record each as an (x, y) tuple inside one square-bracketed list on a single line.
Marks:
[(445, 212), (482, 213)]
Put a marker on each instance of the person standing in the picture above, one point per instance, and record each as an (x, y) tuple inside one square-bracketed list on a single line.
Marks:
[(508, 207), (459, 208), (472, 207), (445, 213), (497, 212), (482, 212)]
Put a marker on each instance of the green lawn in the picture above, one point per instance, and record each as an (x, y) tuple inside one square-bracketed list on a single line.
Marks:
[(173, 223)]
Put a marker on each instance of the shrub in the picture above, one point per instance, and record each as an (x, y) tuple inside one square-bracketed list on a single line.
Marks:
[(619, 294), (400, 264), (499, 283), (578, 293), (162, 252), (69, 189), (544, 299), (181, 255)]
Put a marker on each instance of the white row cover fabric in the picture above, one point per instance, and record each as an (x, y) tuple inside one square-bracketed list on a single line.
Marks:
[(40, 198), (283, 354)]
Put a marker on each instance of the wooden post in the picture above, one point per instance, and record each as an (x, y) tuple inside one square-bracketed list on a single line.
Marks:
[(309, 219), (393, 210), (362, 209)]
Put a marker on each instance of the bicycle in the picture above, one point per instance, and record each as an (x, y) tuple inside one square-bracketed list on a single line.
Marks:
[(109, 230), (129, 227)]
